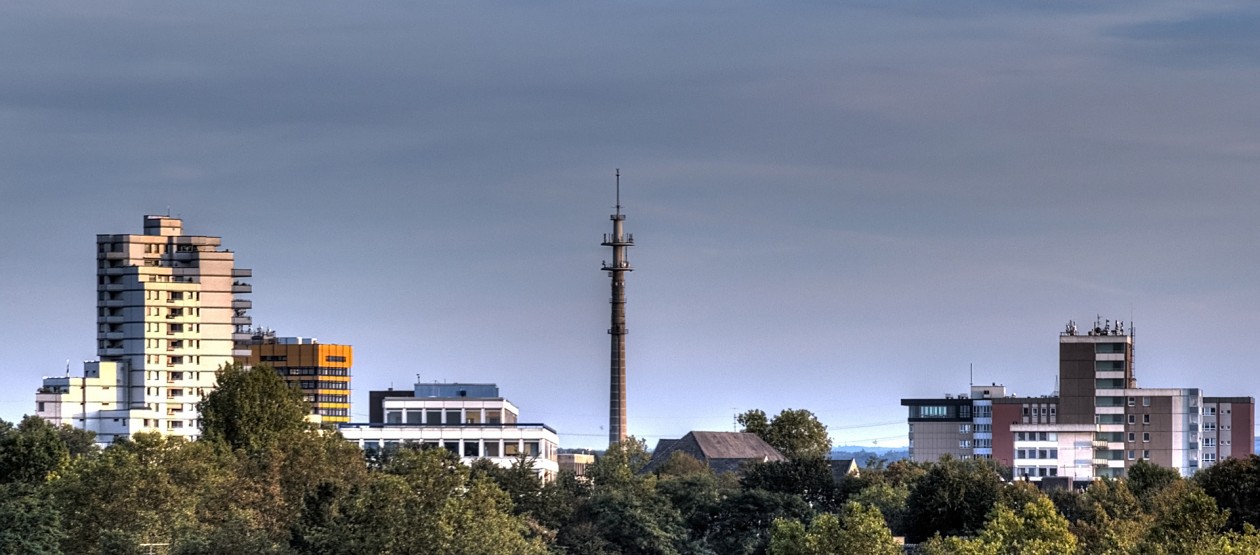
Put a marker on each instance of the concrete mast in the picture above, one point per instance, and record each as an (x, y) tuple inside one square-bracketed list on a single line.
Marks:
[(619, 241)]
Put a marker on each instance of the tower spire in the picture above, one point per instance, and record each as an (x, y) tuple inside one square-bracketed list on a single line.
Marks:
[(620, 242)]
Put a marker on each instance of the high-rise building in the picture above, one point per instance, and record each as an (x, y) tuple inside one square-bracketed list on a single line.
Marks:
[(169, 315), (320, 370), (1098, 424), (620, 243)]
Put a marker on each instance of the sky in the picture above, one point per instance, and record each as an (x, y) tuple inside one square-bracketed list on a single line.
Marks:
[(835, 205)]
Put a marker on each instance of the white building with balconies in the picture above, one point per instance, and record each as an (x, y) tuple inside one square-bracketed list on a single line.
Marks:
[(169, 316)]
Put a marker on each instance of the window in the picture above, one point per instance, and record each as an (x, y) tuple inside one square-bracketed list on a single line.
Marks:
[(1209, 411), (964, 444), (472, 449), (433, 417), (531, 448), (1019, 436), (1025, 410), (964, 428), (933, 412), (1053, 409), (1146, 437), (1132, 420), (452, 446), (1146, 453), (1132, 437), (493, 416), (1209, 457), (1209, 442), (1146, 401), (511, 449), (1021, 454), (1131, 401), (331, 358), (1132, 454), (414, 417), (492, 449), (452, 417), (1146, 419), (393, 417)]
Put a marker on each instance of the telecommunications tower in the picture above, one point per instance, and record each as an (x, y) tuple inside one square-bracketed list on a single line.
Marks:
[(620, 242)]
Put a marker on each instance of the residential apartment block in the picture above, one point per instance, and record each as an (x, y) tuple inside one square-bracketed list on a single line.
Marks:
[(470, 420), (320, 370), (1098, 424), (170, 313)]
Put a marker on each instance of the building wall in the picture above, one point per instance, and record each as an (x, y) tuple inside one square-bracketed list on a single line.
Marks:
[(321, 370), (168, 315)]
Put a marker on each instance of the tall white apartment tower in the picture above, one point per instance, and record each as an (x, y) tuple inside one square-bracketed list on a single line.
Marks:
[(168, 317)]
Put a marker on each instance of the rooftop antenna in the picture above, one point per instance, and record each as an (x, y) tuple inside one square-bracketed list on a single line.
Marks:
[(971, 366), (617, 174)]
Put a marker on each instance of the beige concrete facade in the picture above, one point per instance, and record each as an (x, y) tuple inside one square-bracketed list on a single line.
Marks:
[(169, 315)]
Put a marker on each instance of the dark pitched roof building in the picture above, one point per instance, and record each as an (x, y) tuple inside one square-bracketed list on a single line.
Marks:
[(722, 451)]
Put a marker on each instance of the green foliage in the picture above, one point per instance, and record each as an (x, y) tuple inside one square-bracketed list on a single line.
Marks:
[(29, 522), (809, 478), (35, 449), (859, 529), (797, 434), (680, 463), (1146, 480), (741, 523), (889, 500), (1185, 521), (1107, 518), (1235, 485), (952, 498), (1035, 529), (620, 464), (252, 408)]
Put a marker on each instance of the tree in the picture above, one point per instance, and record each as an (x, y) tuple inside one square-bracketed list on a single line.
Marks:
[(1107, 518), (29, 522), (620, 464), (1147, 479), (1035, 529), (858, 529), (741, 523), (1186, 521), (952, 499), (35, 449), (1235, 485), (252, 408), (809, 478), (889, 499), (425, 502), (797, 434)]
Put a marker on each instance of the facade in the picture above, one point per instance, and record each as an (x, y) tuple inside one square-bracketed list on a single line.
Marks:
[(1098, 424), (320, 370), (575, 462), (961, 427), (169, 315), (471, 420)]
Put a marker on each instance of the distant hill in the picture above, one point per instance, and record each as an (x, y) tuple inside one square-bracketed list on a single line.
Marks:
[(860, 453)]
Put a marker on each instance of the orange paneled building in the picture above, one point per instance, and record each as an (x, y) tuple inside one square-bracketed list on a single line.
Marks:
[(320, 370)]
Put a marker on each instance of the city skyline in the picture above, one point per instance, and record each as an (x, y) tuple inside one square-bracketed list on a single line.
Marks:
[(834, 206)]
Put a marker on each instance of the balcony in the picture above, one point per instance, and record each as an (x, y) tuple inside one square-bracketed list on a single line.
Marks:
[(242, 320), (242, 336), (113, 303), (112, 255), (242, 304), (111, 352), (242, 272), (112, 335), (242, 287), (109, 319)]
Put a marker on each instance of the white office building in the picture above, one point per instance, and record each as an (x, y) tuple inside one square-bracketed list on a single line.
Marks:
[(471, 420)]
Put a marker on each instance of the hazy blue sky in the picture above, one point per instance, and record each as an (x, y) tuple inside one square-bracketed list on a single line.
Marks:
[(836, 204)]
